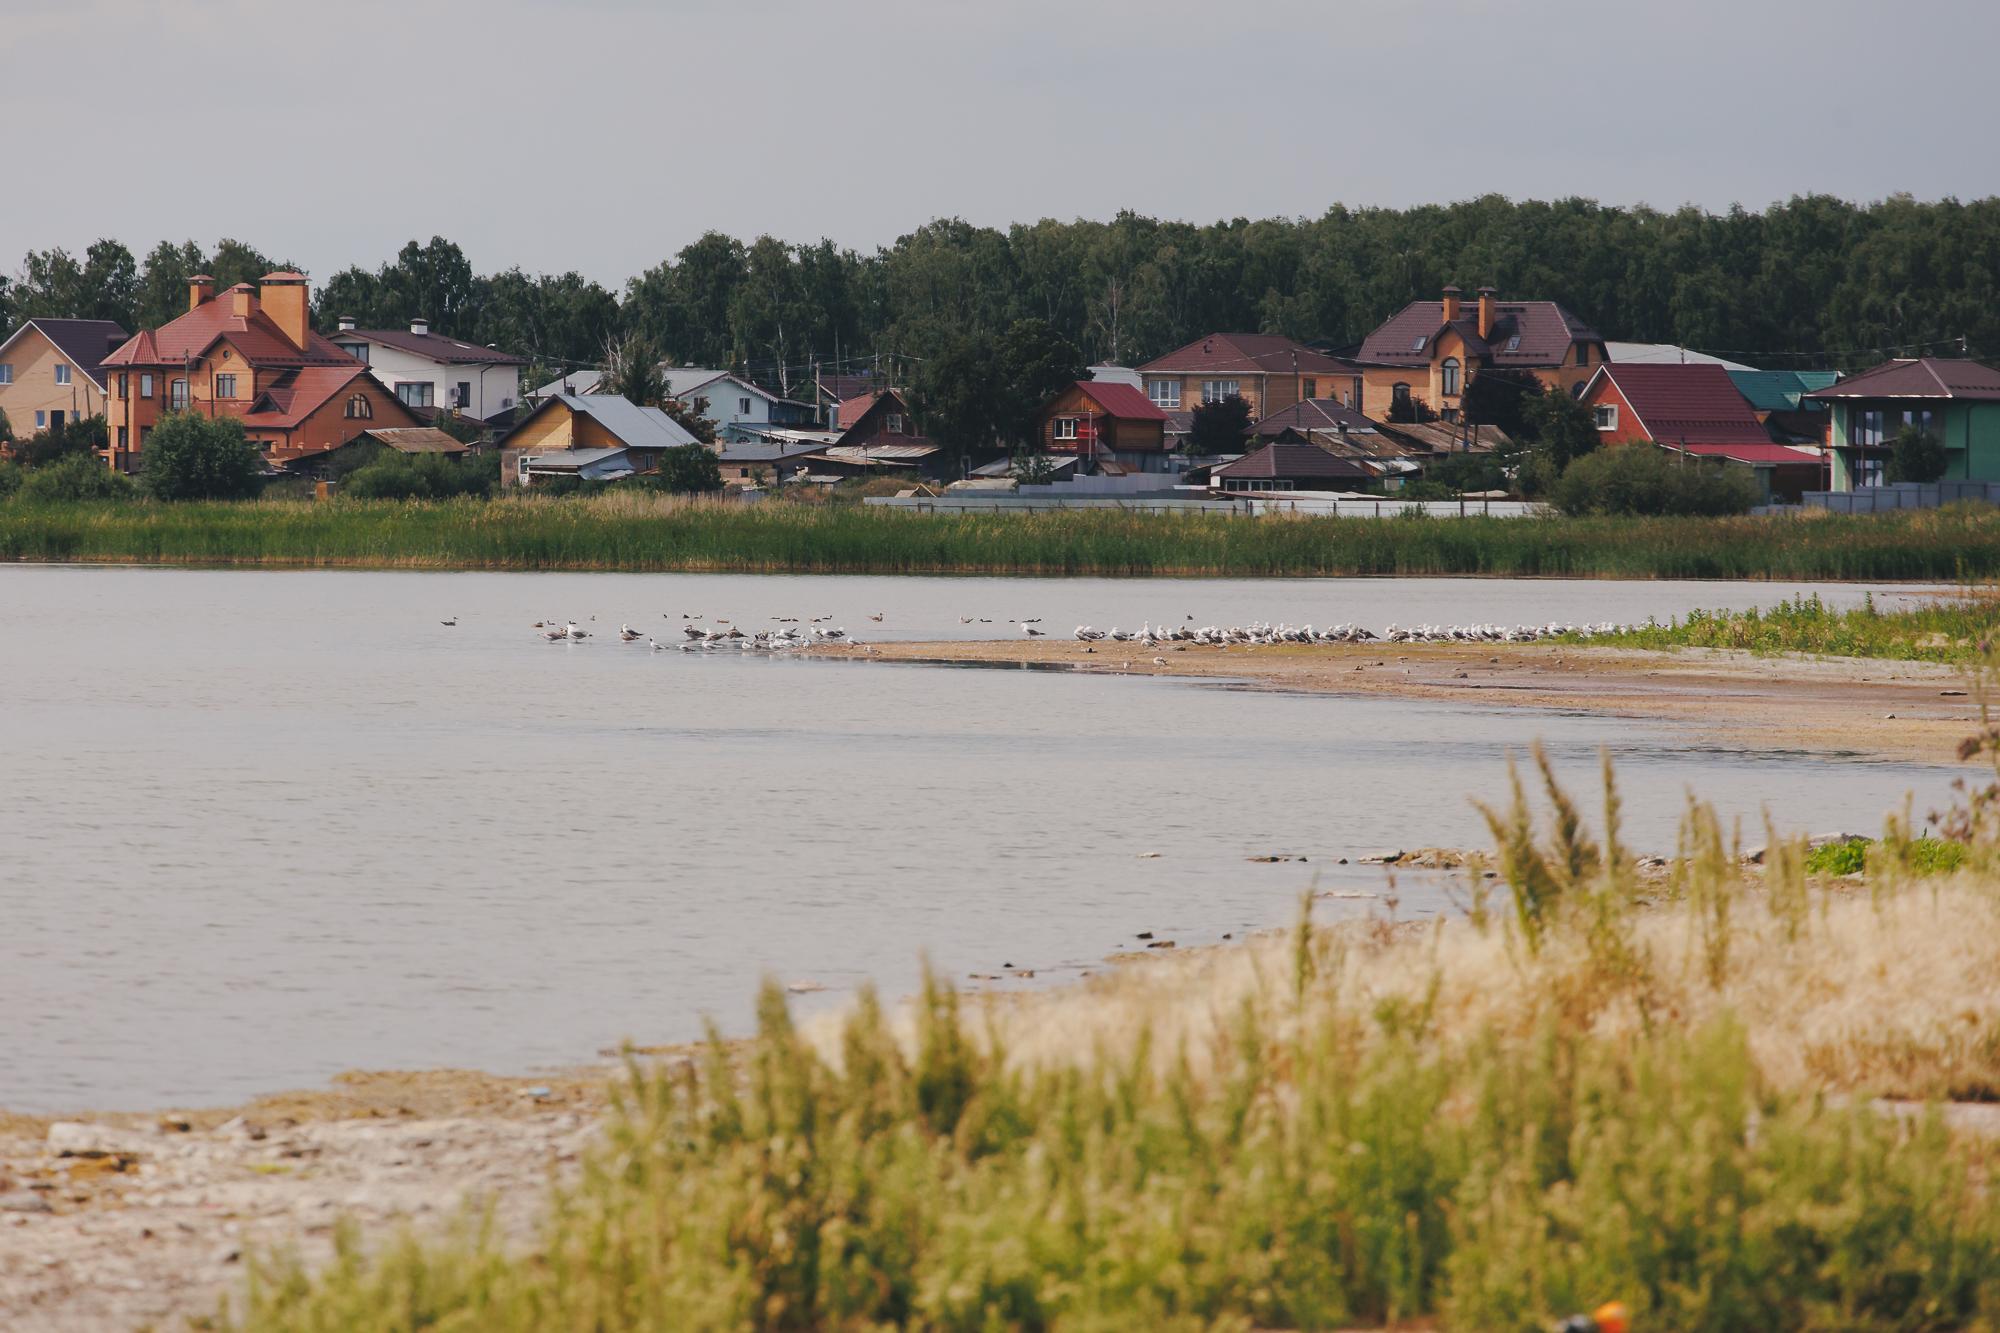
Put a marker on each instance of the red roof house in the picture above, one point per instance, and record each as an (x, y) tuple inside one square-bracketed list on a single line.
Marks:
[(1266, 370), (1695, 409), (1103, 418)]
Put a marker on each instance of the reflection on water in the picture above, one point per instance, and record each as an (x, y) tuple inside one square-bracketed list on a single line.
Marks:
[(268, 826)]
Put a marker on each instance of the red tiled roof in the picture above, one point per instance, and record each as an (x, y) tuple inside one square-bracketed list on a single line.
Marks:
[(254, 335), (1295, 461), (1121, 401), (1244, 354), (1546, 330), (1753, 453), (1919, 377), (853, 409), (294, 397), (1694, 403)]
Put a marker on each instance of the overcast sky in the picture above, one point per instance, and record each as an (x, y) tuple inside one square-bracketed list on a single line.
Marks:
[(603, 135)]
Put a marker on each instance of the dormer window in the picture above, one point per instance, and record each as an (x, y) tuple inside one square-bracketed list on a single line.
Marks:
[(1418, 343)]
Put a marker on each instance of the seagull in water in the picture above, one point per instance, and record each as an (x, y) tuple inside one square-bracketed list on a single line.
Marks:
[(452, 621), (576, 633), (627, 633)]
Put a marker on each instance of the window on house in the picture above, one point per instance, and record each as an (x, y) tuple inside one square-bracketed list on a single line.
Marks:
[(1065, 428), (1583, 354), (1605, 416), (177, 396), (1448, 378), (1448, 414), (62, 373), (742, 407), (892, 423), (1309, 388), (41, 420), (1214, 391), (464, 394), (359, 408), (124, 386), (225, 386), (359, 351), (122, 436), (1867, 429), (6, 373), (1923, 419), (1514, 343), (145, 386), (417, 394), (1166, 394), (1868, 470), (1421, 341)]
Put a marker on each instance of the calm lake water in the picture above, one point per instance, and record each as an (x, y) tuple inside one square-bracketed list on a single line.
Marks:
[(265, 826)]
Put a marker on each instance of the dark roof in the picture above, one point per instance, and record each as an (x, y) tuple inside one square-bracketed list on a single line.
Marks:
[(1919, 377), (1180, 421), (1294, 462), (1121, 400), (1693, 403), (1546, 330), (1244, 354), (84, 343), (447, 351), (763, 451), (1313, 414), (843, 387)]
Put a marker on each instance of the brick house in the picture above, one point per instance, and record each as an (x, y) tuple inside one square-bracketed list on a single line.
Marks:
[(1697, 411), (1099, 419), (1429, 350), (52, 372), (246, 353), (1267, 371)]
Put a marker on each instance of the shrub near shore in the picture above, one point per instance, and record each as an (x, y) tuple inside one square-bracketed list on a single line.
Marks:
[(1562, 1098), (641, 531), (1960, 629)]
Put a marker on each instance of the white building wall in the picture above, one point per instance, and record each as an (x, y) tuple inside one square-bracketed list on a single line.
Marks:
[(494, 388)]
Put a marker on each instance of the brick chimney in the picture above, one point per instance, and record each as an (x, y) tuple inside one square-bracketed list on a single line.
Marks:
[(284, 300), (1451, 295), (201, 289), (242, 300), (1489, 311)]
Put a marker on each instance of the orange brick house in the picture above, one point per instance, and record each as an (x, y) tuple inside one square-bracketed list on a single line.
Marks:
[(1266, 370), (1429, 350), (247, 353), (1103, 418)]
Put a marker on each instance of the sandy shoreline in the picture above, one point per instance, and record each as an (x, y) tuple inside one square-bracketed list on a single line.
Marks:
[(113, 1221)]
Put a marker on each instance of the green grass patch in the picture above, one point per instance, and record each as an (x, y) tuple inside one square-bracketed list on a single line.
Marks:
[(1917, 856), (1957, 630), (646, 532)]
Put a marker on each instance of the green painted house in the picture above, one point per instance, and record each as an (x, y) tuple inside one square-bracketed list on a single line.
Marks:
[(1957, 401)]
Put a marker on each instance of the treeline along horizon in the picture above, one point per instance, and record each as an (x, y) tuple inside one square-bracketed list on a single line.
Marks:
[(1815, 281)]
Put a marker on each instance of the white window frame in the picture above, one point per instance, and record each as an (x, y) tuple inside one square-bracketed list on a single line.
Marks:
[(41, 419), (1164, 394), (1421, 341), (62, 373), (1065, 428), (1514, 343), (1214, 391), (892, 423), (1604, 416), (145, 384), (742, 407)]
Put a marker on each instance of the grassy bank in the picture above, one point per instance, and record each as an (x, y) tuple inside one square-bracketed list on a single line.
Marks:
[(1960, 630), (1564, 1097), (645, 532)]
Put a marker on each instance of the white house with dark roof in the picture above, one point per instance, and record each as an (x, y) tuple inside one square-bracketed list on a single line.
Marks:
[(427, 371)]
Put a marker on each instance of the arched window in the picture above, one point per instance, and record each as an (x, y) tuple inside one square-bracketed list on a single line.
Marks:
[(359, 407), (1450, 385)]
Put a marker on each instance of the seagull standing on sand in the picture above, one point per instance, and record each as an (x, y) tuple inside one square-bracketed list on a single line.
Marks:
[(1030, 630)]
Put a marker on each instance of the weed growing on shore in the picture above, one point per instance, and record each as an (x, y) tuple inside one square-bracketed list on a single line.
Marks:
[(1493, 1123), (1957, 630)]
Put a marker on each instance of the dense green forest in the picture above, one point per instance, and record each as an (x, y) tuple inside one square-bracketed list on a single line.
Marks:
[(1815, 281)]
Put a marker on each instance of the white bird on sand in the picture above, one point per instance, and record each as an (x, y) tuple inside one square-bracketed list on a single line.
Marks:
[(1085, 634), (1159, 661), (1030, 630)]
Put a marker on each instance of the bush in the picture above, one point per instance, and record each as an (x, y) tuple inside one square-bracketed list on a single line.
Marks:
[(190, 457), (396, 476), (77, 477), (10, 478), (1640, 479), (85, 436), (689, 470), (1916, 456)]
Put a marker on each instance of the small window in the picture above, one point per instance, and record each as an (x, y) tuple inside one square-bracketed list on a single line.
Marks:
[(1448, 377), (1309, 388), (6, 373), (41, 420), (225, 386), (62, 373), (177, 396), (122, 436), (1166, 394), (359, 408), (145, 386), (742, 407), (359, 351), (892, 423), (464, 394), (1514, 343), (1868, 429), (1421, 341), (1214, 391), (1606, 416), (1583, 354), (416, 394), (1065, 428), (124, 386)]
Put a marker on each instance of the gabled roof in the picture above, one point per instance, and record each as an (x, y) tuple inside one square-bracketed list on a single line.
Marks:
[(1285, 459), (853, 409), (1244, 354), (636, 427), (1313, 414), (1120, 401), (842, 387), (1780, 390), (1626, 353), (1683, 404), (680, 384), (576, 381), (254, 335), (296, 395), (417, 440), (84, 343), (1919, 377), (1757, 455), (764, 451), (435, 347), (1546, 330)]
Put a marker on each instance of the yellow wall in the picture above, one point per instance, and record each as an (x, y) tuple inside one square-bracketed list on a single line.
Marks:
[(562, 427), (34, 359)]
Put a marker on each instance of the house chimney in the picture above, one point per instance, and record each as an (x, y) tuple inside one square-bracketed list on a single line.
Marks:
[(1451, 295), (347, 323), (420, 326), (1489, 311), (284, 300), (242, 300), (200, 290)]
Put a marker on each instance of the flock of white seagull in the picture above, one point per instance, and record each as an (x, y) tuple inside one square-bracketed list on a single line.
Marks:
[(722, 635)]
